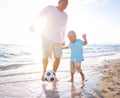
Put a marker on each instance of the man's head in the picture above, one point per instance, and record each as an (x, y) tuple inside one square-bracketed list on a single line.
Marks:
[(62, 4)]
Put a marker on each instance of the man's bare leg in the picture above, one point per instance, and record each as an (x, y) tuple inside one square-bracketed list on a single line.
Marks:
[(56, 64), (45, 63)]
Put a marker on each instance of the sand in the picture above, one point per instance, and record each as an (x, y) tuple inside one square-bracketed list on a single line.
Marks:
[(110, 80), (24, 82)]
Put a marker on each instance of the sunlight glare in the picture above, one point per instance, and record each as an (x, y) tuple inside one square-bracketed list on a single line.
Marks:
[(36, 50), (39, 24)]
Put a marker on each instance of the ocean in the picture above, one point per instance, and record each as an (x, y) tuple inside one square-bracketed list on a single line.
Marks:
[(21, 70), (17, 55)]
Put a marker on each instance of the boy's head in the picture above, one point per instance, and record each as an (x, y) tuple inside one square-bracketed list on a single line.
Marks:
[(72, 36)]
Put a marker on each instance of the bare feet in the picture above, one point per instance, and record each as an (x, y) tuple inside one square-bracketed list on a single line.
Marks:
[(83, 85), (70, 80), (42, 78), (55, 80), (83, 81)]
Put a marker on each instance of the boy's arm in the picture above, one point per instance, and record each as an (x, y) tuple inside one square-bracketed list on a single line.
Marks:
[(85, 40), (65, 47)]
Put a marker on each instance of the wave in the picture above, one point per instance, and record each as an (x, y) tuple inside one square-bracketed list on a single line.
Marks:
[(14, 56), (15, 66)]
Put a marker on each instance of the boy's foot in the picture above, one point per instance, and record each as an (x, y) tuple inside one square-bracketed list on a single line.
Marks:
[(83, 81), (70, 80), (83, 85)]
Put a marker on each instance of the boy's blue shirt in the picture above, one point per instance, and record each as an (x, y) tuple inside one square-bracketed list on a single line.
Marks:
[(76, 50)]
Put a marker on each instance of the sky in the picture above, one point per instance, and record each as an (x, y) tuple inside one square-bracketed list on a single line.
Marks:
[(99, 19)]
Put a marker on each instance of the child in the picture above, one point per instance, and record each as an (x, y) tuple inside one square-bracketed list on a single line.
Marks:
[(76, 54)]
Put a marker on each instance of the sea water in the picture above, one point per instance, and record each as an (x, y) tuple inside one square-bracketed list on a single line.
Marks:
[(22, 55)]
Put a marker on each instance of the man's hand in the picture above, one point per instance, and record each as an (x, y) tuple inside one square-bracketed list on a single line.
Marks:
[(63, 44)]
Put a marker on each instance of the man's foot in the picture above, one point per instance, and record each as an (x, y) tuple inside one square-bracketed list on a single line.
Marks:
[(42, 78), (55, 80)]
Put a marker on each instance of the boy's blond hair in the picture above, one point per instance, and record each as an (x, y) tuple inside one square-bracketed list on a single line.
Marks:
[(70, 33)]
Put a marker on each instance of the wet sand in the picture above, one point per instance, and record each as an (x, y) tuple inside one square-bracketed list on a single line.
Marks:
[(24, 82), (110, 80)]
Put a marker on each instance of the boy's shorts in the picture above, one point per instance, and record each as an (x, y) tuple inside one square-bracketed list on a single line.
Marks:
[(75, 66), (49, 47)]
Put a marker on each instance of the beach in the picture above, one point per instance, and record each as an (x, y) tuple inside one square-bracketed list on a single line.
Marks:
[(103, 82), (22, 79), (110, 80)]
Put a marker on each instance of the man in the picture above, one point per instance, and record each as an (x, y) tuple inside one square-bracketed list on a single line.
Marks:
[(53, 33)]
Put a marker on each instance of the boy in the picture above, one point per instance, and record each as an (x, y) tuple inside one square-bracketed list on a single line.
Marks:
[(76, 54)]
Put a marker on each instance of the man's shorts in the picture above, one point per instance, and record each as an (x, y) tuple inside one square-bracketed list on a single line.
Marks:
[(49, 47), (75, 66)]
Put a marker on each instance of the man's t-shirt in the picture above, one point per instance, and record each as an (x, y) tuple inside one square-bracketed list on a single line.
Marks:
[(55, 24)]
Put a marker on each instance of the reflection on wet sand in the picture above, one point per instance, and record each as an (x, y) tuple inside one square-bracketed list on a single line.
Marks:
[(74, 91), (27, 84), (64, 89), (50, 92)]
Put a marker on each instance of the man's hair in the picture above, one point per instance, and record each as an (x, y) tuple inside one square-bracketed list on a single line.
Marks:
[(63, 0)]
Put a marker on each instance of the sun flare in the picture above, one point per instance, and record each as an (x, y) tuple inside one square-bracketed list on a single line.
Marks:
[(39, 24)]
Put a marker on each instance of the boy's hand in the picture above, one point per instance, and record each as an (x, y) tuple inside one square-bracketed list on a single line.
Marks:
[(84, 36)]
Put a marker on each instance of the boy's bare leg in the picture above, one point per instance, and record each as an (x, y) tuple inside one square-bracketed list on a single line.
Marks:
[(83, 77), (45, 63), (72, 77)]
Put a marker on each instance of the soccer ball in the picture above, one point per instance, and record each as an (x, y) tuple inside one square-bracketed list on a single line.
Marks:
[(49, 76)]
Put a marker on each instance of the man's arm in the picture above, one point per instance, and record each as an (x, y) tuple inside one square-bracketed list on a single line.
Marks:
[(63, 33), (40, 15)]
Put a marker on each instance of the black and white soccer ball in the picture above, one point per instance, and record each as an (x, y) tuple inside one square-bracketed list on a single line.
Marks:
[(49, 76)]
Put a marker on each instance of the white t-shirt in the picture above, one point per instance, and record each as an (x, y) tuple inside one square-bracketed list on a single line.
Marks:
[(55, 24)]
